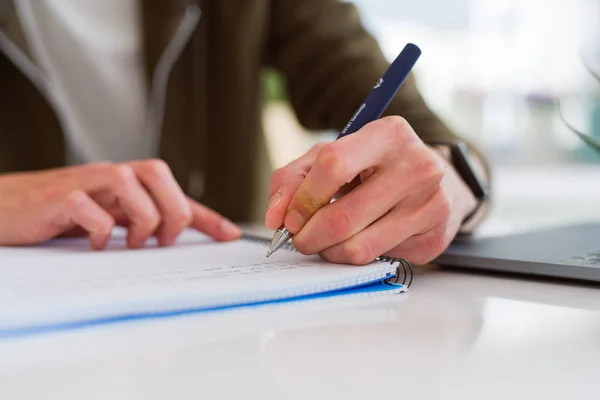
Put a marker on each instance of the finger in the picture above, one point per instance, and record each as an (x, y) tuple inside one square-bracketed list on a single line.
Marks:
[(299, 166), (344, 218), (280, 200), (107, 199), (175, 210), (119, 216), (212, 223), (79, 210), (88, 178), (423, 248), (136, 203), (387, 233), (340, 162), (284, 183), (382, 191)]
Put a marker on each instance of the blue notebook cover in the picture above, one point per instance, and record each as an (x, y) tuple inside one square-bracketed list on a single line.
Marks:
[(377, 287)]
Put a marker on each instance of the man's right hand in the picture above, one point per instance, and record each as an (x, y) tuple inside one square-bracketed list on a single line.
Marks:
[(142, 196)]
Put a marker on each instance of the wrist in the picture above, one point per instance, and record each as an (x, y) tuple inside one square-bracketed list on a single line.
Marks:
[(464, 202), (470, 182)]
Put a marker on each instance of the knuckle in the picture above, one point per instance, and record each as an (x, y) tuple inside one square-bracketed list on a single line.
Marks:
[(434, 245), (357, 252), (338, 222), (123, 174), (76, 199), (106, 229), (397, 129), (436, 170), (157, 168), (181, 218), (444, 206), (331, 163), (150, 223), (104, 226), (431, 170)]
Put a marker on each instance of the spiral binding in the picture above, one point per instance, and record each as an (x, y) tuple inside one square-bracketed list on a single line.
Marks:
[(404, 270), (407, 270)]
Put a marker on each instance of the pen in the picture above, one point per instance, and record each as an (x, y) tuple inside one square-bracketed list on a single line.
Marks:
[(371, 109)]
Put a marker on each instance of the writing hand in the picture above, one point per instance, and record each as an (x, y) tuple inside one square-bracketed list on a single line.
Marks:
[(410, 203)]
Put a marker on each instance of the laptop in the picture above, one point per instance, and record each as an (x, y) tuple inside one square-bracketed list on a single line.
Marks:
[(571, 252)]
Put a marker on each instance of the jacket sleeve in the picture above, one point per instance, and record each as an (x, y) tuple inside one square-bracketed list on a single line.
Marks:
[(330, 63)]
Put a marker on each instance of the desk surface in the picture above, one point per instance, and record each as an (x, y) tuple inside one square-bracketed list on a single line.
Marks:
[(455, 335)]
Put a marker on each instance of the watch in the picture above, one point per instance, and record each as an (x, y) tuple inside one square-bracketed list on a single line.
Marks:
[(459, 158)]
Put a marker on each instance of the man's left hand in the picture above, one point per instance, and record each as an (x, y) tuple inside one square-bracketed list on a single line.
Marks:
[(410, 202)]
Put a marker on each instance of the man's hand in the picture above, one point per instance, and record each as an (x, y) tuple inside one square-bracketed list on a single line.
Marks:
[(410, 203), (141, 195)]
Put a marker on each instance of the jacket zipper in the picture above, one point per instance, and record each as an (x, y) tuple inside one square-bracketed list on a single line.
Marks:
[(164, 66), (160, 77)]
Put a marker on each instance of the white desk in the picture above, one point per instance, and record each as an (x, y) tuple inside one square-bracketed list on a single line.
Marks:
[(454, 336)]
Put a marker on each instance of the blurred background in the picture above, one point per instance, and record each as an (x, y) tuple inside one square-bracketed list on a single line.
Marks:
[(494, 70)]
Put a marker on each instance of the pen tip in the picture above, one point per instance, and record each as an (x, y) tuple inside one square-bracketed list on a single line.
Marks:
[(269, 253)]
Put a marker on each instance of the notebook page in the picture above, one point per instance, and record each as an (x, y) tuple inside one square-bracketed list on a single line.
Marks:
[(65, 281)]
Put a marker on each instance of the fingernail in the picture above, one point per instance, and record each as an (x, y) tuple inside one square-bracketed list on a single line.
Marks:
[(274, 200), (230, 229), (294, 221)]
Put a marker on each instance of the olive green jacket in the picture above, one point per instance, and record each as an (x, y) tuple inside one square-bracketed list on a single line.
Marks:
[(210, 132)]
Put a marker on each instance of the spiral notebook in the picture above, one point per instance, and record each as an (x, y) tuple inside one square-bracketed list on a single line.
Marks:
[(64, 285)]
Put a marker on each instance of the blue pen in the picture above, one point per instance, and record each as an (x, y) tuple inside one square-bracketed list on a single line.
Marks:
[(371, 109)]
